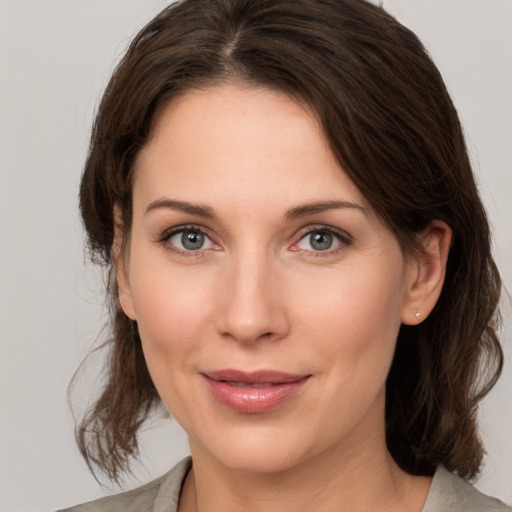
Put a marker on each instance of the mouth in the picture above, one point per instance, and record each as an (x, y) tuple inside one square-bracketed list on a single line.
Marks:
[(254, 392), (247, 385)]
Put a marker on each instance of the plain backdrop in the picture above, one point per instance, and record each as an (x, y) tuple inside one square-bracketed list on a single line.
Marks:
[(55, 58)]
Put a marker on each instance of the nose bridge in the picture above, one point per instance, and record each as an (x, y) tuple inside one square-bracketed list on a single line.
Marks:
[(252, 305)]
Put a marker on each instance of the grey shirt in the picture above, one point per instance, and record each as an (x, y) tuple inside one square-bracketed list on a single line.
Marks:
[(448, 493)]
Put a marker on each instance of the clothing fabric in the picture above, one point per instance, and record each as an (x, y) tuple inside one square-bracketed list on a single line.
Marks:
[(448, 493)]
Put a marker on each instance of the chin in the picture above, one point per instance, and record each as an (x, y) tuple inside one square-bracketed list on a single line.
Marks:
[(260, 461), (264, 450)]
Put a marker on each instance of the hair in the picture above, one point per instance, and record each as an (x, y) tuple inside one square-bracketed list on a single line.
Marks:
[(394, 130)]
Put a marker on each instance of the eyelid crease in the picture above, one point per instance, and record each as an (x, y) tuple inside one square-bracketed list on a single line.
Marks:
[(164, 238), (170, 232), (343, 237), (319, 228)]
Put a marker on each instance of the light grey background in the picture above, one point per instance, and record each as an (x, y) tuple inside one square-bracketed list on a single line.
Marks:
[(55, 58)]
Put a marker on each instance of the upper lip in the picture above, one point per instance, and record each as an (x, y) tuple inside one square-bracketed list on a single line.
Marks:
[(254, 377)]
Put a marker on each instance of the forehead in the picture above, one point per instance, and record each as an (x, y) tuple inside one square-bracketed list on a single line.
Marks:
[(240, 142)]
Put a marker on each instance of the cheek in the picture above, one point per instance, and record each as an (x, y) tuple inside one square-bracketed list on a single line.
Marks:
[(172, 309), (354, 321), (171, 319), (354, 301), (351, 329)]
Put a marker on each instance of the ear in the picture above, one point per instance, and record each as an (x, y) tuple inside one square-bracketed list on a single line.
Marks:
[(121, 264), (426, 273)]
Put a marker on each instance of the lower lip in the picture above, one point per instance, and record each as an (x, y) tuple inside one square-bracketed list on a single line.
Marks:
[(254, 399)]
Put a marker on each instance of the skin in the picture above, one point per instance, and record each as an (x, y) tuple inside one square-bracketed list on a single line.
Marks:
[(260, 295)]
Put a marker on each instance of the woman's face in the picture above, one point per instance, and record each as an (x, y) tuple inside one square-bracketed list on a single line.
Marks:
[(268, 295)]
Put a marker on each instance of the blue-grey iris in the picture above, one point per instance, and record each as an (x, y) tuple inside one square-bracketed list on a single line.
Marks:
[(192, 240), (321, 241)]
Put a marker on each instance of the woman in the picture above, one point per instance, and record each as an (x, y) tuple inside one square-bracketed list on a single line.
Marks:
[(282, 192)]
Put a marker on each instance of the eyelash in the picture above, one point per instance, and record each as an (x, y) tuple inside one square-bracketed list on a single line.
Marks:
[(167, 235), (343, 237)]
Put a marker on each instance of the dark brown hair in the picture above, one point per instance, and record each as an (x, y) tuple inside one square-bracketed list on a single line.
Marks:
[(392, 126)]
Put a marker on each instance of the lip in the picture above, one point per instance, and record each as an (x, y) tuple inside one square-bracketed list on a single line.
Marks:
[(253, 392)]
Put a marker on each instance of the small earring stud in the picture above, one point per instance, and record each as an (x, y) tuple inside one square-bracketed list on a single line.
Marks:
[(417, 315)]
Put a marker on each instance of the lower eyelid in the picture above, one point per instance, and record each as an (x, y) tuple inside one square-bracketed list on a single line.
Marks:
[(343, 240), (165, 241)]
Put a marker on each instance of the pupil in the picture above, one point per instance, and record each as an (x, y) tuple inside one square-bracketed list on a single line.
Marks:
[(192, 240), (321, 241)]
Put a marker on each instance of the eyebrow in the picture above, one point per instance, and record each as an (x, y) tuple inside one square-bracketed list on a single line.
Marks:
[(293, 213), (319, 207), (193, 209)]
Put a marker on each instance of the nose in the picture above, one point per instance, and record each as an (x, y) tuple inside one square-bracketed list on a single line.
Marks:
[(252, 303)]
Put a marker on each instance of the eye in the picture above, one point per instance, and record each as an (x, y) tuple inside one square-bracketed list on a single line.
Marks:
[(188, 239), (318, 241), (322, 240)]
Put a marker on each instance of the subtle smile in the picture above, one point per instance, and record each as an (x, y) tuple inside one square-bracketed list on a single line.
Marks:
[(253, 392)]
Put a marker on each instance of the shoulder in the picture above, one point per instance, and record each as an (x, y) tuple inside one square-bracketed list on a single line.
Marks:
[(145, 498), (449, 493)]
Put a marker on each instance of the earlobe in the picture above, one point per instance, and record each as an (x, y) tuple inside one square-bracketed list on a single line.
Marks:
[(426, 273), (120, 265)]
